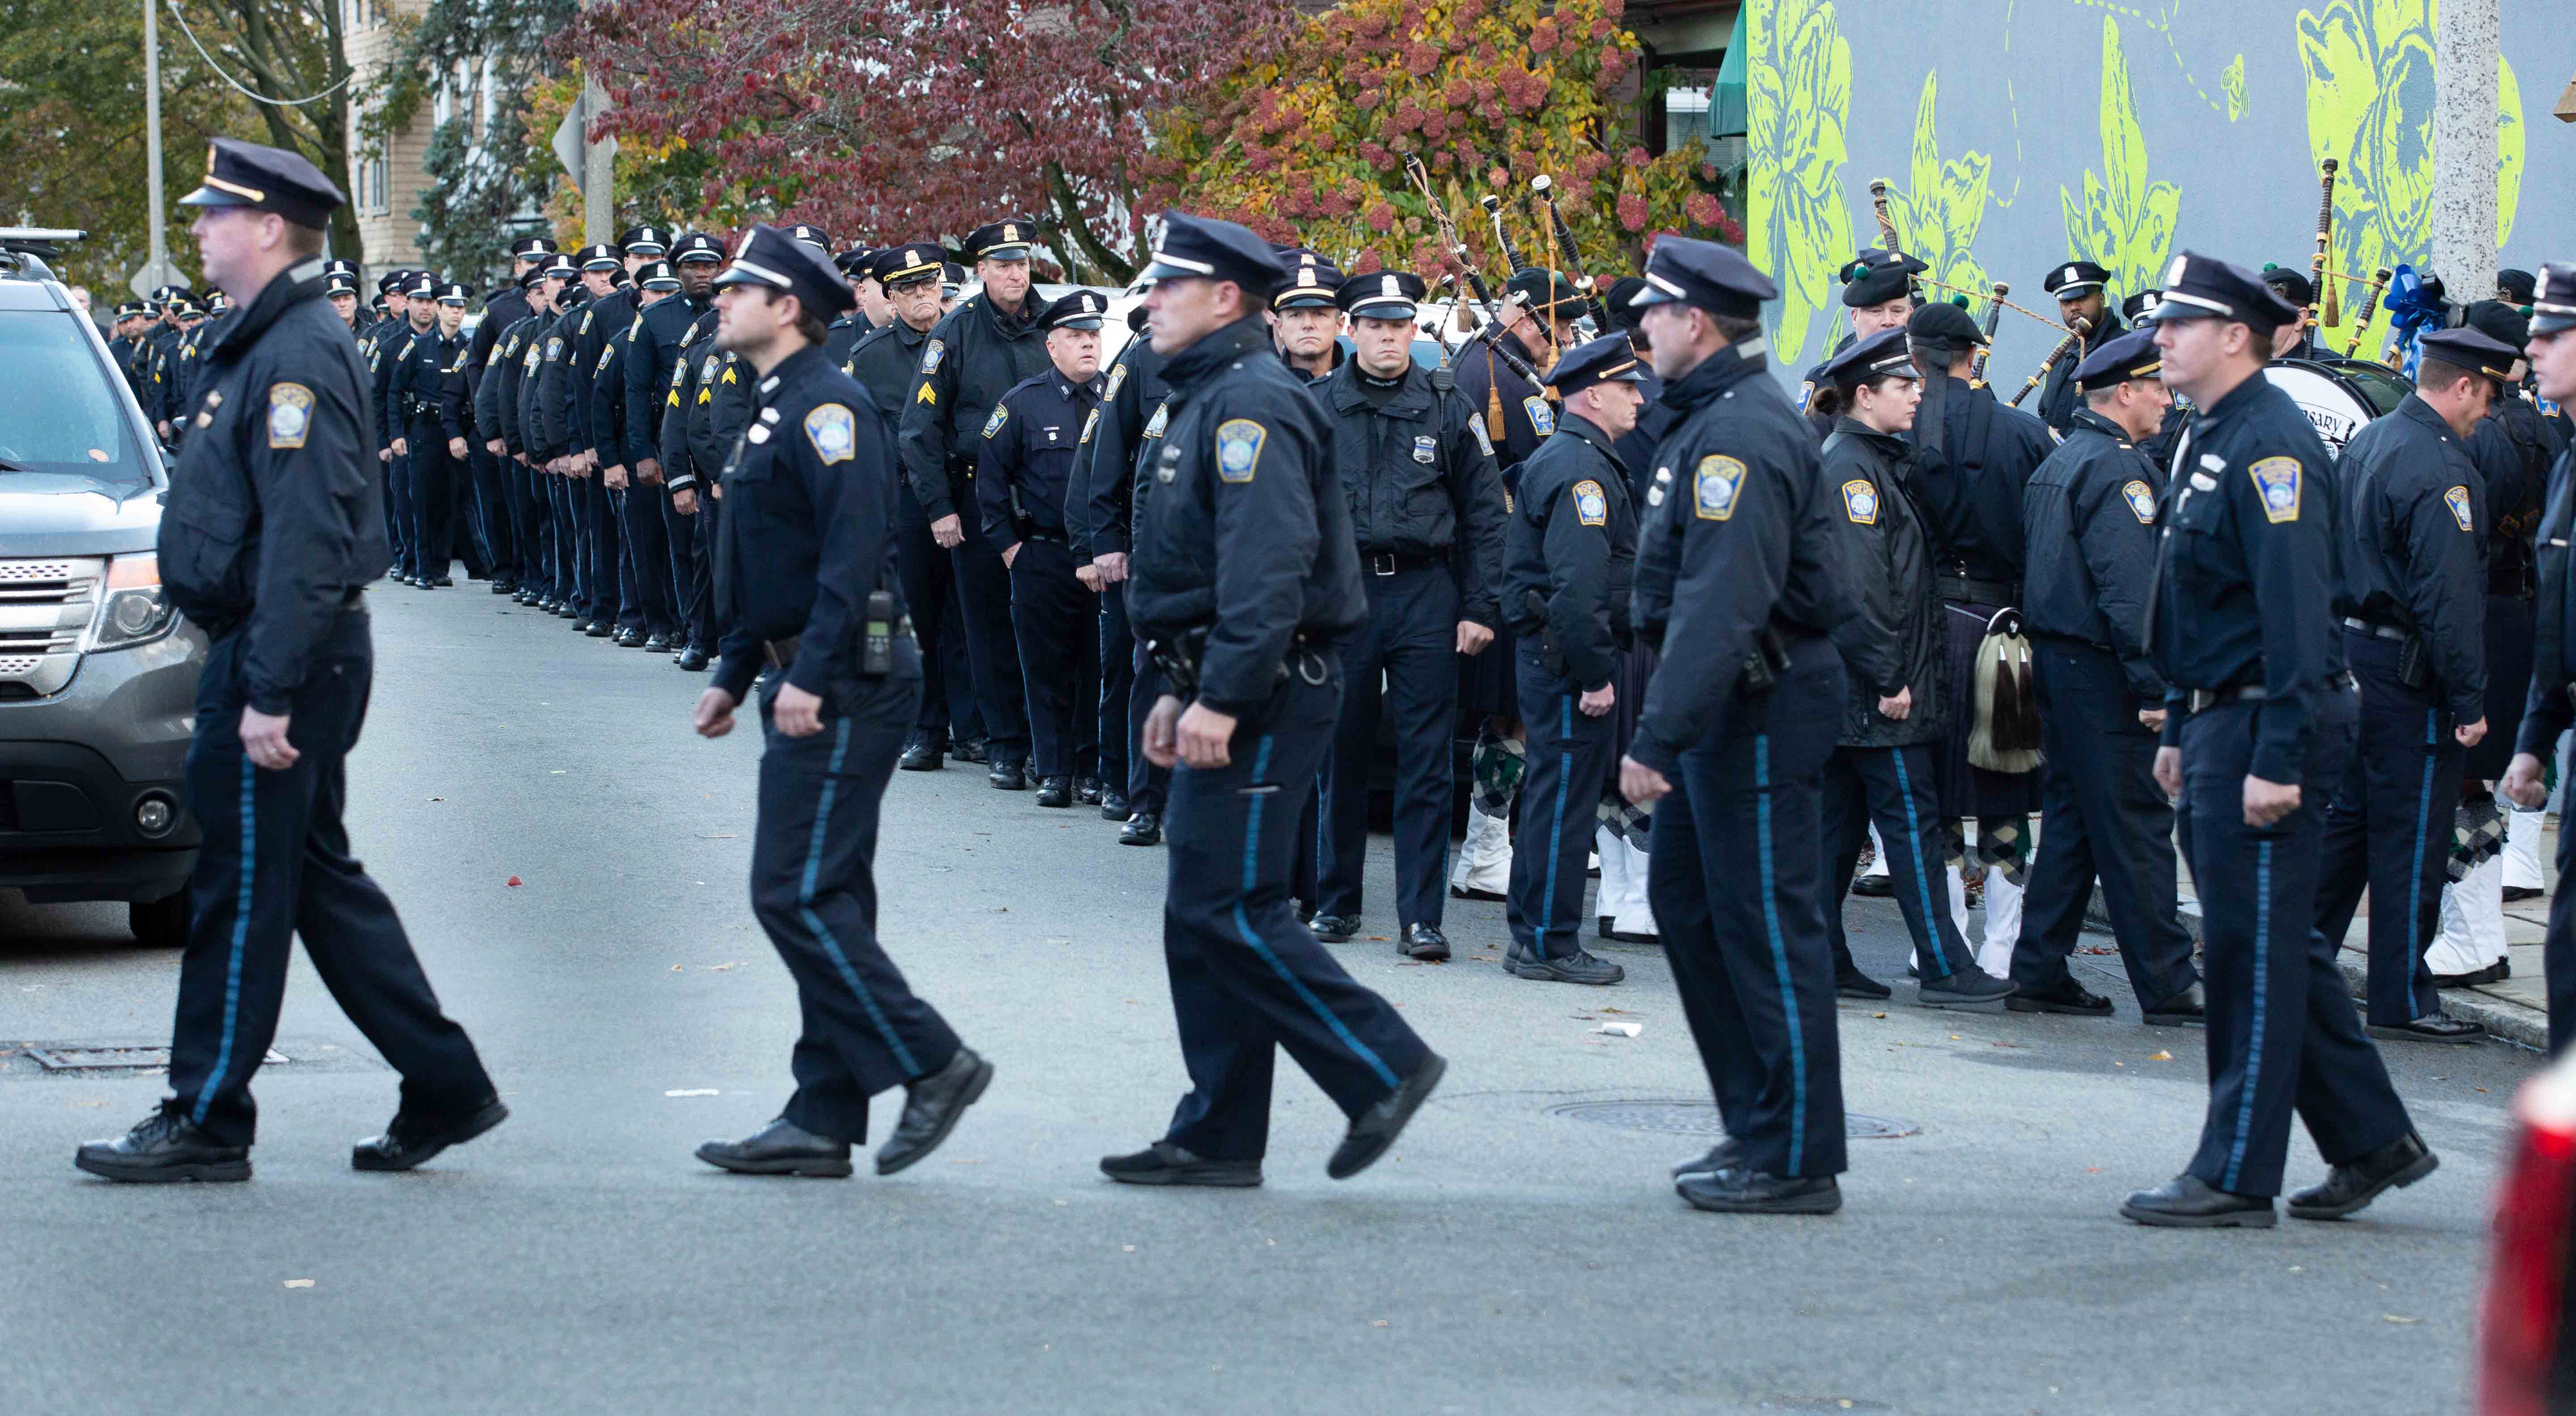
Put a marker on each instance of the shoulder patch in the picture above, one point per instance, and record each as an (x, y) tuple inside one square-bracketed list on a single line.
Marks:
[(1542, 418), (2142, 500), (2276, 481), (1117, 376), (2457, 499), (605, 354), (1860, 501), (992, 425), (832, 432), (931, 354), (1238, 448), (1714, 487), (1484, 444), (554, 348), (290, 414), (1590, 506), (637, 327), (585, 320), (1162, 418), (1089, 423), (1806, 394)]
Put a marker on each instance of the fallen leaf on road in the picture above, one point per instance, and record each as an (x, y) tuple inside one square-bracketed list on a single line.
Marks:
[(1614, 1010), (1954, 1037), (2160, 1057), (299, 1283), (1378, 938), (2482, 1089), (692, 1091), (2393, 1318), (676, 968), (2119, 1064), (1126, 1248), (1878, 1015)]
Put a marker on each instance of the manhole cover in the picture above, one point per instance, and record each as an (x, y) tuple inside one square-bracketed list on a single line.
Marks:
[(1699, 1118), (116, 1059)]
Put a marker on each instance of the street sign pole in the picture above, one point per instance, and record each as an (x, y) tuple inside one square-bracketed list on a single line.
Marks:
[(152, 143)]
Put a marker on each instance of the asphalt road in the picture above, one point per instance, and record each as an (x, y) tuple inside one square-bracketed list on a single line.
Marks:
[(1504, 1258)]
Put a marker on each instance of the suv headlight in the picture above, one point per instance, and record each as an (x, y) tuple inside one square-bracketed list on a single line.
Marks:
[(132, 608)]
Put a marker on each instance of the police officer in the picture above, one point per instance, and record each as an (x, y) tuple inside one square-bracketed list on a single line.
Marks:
[(845, 333), (2083, 292), (544, 418), (975, 355), (120, 350), (1878, 294), (646, 614), (497, 488), (687, 518), (887, 363), (383, 344), (1121, 444), (718, 405), (281, 446), (1426, 508), (418, 358), (1884, 768), (496, 404), (2412, 601), (804, 570), (2552, 705), (1569, 550), (1030, 442), (564, 401), (1244, 576), (1737, 561), (2259, 724), (2295, 341), (2089, 516), (1304, 320), (1498, 370)]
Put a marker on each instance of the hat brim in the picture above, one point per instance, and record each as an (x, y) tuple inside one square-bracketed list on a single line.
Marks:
[(1003, 253), (1306, 300), (2077, 290), (740, 274), (214, 197), (1652, 295), (1385, 310), (2175, 309), (2552, 324), (662, 282), (700, 258), (647, 248), (1086, 322)]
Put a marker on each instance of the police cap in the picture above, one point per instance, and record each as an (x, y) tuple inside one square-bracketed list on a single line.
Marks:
[(2470, 349), (130, 308), (1082, 309), (2515, 287), (1875, 277), (339, 285), (600, 258), (644, 240), (532, 248), (2075, 280), (240, 174), (1538, 288), (454, 293), (811, 235), (777, 261), (1718, 279), (2137, 307), (697, 246), (1609, 359), (1204, 248), (421, 286), (341, 266), (1312, 283), (535, 277), (897, 264), (1882, 355), (2131, 356), (392, 281), (2290, 285), (854, 262), (563, 267), (2553, 299), (1381, 295), (2199, 287), (1004, 240), (217, 302), (657, 275)]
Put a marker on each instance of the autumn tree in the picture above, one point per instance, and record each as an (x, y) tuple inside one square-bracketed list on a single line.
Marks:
[(896, 119), (1308, 141)]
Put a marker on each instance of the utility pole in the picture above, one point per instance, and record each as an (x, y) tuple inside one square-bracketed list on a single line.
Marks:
[(157, 270), (599, 171), (2467, 36)]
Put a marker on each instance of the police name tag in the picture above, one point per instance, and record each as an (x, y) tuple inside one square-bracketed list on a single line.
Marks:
[(1714, 487), (1590, 506), (2457, 499), (290, 414), (2142, 501), (1542, 418), (1238, 448), (2276, 480), (1425, 449), (834, 435), (1860, 502)]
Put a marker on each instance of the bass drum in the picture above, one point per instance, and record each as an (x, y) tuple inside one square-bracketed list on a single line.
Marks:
[(2340, 396)]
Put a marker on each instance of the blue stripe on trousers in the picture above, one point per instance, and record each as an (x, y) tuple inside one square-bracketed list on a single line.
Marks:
[(1780, 962), (1556, 831), (2262, 1001), (1922, 877), (2415, 863), (805, 905), (241, 937)]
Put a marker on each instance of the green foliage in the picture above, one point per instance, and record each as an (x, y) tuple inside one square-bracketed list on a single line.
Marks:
[(1800, 71), (1937, 213), (2124, 223)]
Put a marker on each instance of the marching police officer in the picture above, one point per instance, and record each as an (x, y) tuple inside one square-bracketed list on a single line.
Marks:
[(1428, 514), (804, 570), (1570, 548), (1736, 560), (2552, 706), (1121, 444), (976, 353), (1030, 442), (2412, 602), (2089, 516), (1878, 294), (1245, 575), (2259, 724), (690, 518), (2083, 292), (280, 446)]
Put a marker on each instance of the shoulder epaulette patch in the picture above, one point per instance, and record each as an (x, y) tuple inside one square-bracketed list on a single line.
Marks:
[(2276, 481), (1860, 501), (830, 429), (2142, 500), (2457, 499), (992, 425), (290, 414), (1714, 487), (1591, 507), (1542, 418), (1238, 448)]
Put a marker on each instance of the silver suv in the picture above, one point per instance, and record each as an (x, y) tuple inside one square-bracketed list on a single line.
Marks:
[(98, 674)]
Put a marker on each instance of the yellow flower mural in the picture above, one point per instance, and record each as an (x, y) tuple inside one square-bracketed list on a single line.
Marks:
[(1800, 226), (2124, 224), (1937, 213)]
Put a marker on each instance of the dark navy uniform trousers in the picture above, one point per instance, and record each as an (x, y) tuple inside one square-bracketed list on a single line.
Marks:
[(1127, 691), (1055, 620), (692, 569), (276, 864), (1411, 642), (1755, 974), (2388, 829), (433, 497), (813, 886), (1895, 789), (564, 533), (1247, 978), (644, 558), (2283, 1036), (1569, 761), (2558, 953), (598, 547), (2101, 814), (493, 508), (992, 651)]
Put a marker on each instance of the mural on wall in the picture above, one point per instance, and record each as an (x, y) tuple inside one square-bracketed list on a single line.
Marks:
[(2203, 133)]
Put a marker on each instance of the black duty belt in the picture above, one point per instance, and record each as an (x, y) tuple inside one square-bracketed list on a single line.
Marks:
[(1034, 533), (1397, 562), (1959, 589), (781, 653), (2378, 631), (2203, 699)]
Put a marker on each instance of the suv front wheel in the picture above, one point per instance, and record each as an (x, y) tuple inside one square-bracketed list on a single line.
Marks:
[(160, 924)]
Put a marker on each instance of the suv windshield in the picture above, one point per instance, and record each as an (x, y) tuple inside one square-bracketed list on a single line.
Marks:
[(63, 413)]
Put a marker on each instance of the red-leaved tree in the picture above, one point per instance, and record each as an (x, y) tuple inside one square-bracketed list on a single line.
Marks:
[(894, 120)]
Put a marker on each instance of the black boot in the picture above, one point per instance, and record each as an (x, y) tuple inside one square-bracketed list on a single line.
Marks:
[(2063, 996), (1054, 791), (923, 754), (1754, 1192), (1145, 828), (1007, 773)]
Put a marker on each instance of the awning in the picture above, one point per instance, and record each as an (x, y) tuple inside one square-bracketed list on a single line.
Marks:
[(1726, 99)]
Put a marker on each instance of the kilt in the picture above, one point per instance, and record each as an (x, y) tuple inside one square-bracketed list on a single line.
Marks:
[(1966, 790), (2509, 638)]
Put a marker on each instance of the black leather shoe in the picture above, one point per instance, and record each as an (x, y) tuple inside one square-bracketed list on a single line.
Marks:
[(579, 625), (1142, 829), (2515, 894), (1577, 967), (1113, 805), (2432, 1027), (922, 754), (1967, 991), (2490, 974), (931, 1108), (1007, 774), (504, 587), (408, 1142), (658, 643), (2355, 1183), (630, 639), (1087, 790), (440, 582), (971, 750), (1461, 892), (781, 1148), (1424, 942), (2183, 1010), (693, 659), (1054, 791), (1757, 1192), (1874, 887), (2186, 1202), (1861, 986), (1333, 928), (166, 1147), (1722, 1156), (2064, 996), (1163, 1163), (601, 629), (1377, 1127)]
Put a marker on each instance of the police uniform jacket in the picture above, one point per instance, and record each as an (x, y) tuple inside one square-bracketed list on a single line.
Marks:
[(2246, 575), (652, 354), (1245, 533), (1896, 639), (2513, 449), (1132, 419), (496, 403), (608, 398), (1420, 477), (885, 361), (1972, 490), (1571, 553), (808, 527), (1528, 418), (532, 367), (843, 335), (721, 408), (501, 309), (2410, 554), (975, 355), (2090, 513), (419, 364), (274, 518), (2552, 706), (1814, 379), (1030, 441), (679, 453), (598, 425), (456, 395), (556, 410), (390, 339), (2061, 398), (1735, 538)]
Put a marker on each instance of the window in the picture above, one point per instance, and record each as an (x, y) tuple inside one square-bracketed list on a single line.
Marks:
[(374, 182)]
